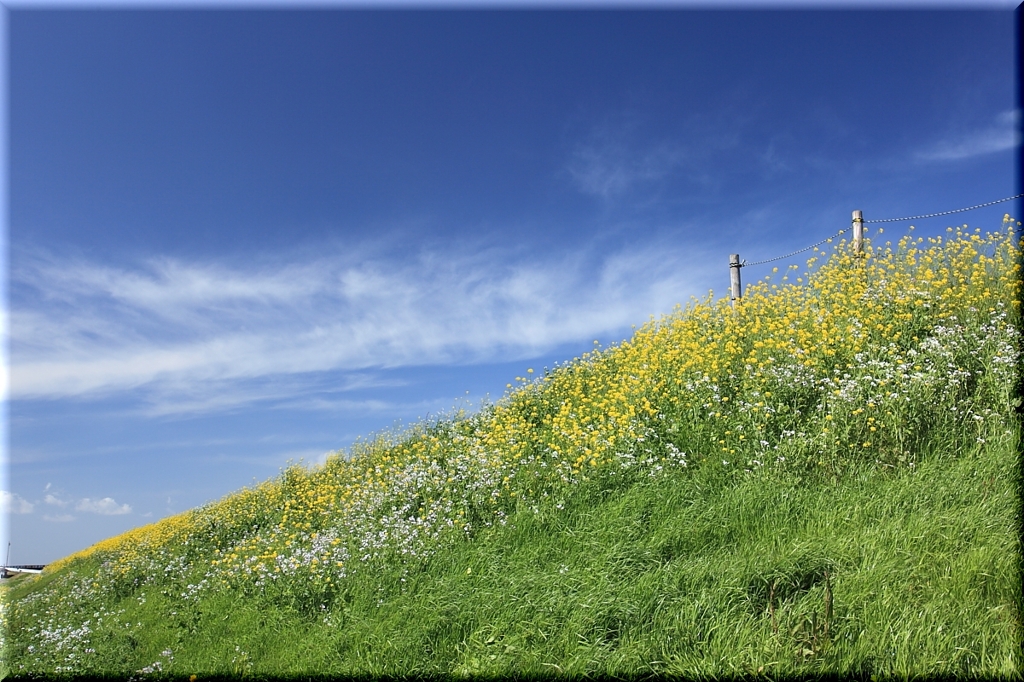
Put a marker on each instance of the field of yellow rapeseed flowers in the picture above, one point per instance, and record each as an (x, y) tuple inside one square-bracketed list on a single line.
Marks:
[(850, 365)]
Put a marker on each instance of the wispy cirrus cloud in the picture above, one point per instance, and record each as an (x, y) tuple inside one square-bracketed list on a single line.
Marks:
[(203, 335), (608, 167), (1002, 134), (617, 155), (303, 391), (613, 158)]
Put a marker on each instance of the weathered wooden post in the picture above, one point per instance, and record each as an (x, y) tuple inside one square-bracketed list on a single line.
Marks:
[(734, 275), (858, 232)]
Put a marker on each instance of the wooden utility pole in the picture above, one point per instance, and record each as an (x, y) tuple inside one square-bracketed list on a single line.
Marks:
[(858, 232), (734, 275)]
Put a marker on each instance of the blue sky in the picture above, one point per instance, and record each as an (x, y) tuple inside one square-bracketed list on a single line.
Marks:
[(239, 238)]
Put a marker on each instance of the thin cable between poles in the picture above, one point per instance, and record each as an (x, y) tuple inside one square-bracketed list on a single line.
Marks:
[(934, 215), (880, 220), (788, 255)]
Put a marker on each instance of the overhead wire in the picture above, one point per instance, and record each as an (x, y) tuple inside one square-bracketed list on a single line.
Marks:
[(879, 220)]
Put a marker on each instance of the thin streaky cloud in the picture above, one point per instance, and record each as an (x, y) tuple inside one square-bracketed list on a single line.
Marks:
[(1002, 135), (607, 171), (369, 406), (616, 158), (227, 397), (188, 331)]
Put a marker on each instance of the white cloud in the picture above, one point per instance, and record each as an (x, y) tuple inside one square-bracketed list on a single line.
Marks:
[(58, 518), (301, 393), (1003, 134), (606, 168), (611, 161), (12, 503), (617, 155), (202, 336), (107, 506)]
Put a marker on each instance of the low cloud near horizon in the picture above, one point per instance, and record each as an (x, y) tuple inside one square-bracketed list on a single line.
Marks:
[(107, 507), (12, 503)]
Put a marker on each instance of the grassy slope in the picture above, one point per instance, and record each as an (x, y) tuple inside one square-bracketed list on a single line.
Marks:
[(668, 575), (875, 568), (671, 575)]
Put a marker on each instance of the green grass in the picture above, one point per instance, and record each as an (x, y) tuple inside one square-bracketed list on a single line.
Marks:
[(671, 575), (811, 551)]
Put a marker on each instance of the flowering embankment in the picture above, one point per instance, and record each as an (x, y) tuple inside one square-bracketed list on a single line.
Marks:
[(858, 363)]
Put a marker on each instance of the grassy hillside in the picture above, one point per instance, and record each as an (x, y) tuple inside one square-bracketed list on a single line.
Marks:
[(823, 479)]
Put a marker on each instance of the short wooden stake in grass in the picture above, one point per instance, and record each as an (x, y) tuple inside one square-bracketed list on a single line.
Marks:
[(858, 232), (734, 275), (828, 601)]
